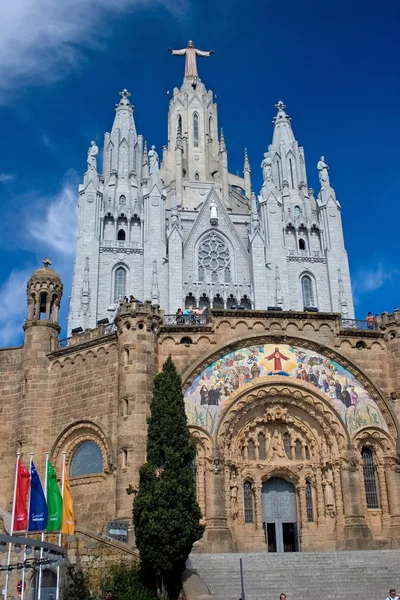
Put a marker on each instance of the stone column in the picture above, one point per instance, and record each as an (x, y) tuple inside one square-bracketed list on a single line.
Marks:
[(392, 481), (384, 503), (217, 537), (258, 505), (320, 496), (357, 534), (338, 495)]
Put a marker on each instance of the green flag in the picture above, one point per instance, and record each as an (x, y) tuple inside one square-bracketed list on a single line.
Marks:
[(54, 500)]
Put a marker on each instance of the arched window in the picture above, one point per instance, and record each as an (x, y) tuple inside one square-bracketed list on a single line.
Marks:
[(86, 460), (307, 453), (196, 130), (218, 302), (48, 584), (302, 244), (291, 172), (371, 491), (307, 290), (196, 176), (119, 284), (262, 449), (190, 301), (298, 450), (231, 302), (204, 302), (245, 302), (251, 449), (121, 235), (210, 127), (179, 125), (287, 445), (248, 502), (309, 502)]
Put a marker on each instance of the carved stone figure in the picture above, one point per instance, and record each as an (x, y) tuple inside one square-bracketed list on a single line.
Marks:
[(329, 495), (92, 156), (323, 172), (191, 53), (277, 445), (153, 160), (266, 168), (213, 211)]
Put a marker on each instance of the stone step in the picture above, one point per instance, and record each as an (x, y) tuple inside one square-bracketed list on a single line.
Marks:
[(358, 575)]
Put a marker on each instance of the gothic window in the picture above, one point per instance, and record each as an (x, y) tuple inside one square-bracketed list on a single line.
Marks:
[(297, 212), (86, 460), (262, 449), (307, 453), (245, 302), (302, 244), (179, 125), (213, 256), (190, 301), (119, 284), (371, 491), (196, 176), (251, 450), (210, 127), (309, 502), (307, 290), (196, 130), (218, 302), (298, 450), (287, 445), (121, 235), (204, 302), (231, 302), (278, 164), (291, 172), (248, 502)]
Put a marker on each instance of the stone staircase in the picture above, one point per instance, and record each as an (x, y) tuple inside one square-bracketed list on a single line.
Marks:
[(356, 575)]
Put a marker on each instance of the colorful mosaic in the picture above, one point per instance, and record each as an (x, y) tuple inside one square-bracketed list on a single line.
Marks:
[(209, 393)]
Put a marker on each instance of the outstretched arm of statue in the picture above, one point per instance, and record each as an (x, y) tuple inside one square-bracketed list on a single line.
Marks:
[(178, 52), (204, 53)]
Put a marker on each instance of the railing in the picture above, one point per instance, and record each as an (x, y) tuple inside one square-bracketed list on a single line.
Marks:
[(85, 336), (185, 320), (357, 324)]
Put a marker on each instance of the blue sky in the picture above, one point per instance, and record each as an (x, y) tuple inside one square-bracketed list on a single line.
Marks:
[(62, 65)]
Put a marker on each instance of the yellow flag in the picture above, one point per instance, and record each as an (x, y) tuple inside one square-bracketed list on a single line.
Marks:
[(68, 520)]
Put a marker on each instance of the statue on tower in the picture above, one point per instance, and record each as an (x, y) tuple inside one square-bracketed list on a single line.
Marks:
[(91, 158), (266, 168), (190, 63), (323, 172), (153, 160)]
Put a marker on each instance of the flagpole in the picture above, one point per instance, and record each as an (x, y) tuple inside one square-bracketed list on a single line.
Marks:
[(12, 523), (60, 534), (42, 536), (27, 525)]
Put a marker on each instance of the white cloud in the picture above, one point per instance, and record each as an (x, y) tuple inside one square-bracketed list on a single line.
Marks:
[(369, 280), (7, 177), (45, 140), (13, 307), (41, 40), (54, 227)]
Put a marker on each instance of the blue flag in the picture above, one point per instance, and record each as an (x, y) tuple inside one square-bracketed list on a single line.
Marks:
[(37, 504)]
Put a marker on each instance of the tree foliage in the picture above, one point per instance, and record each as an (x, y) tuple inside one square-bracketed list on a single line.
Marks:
[(166, 514), (77, 585), (122, 582)]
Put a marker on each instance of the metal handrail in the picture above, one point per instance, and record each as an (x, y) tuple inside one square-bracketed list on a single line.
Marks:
[(360, 325), (185, 320)]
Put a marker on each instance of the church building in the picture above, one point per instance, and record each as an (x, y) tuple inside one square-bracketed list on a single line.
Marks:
[(291, 402)]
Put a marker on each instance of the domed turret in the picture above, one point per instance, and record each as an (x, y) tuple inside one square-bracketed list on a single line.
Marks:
[(44, 291)]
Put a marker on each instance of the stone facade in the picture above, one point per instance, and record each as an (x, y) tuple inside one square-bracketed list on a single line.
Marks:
[(96, 387), (191, 233)]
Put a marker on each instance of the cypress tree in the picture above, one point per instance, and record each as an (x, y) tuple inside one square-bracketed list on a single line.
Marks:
[(166, 514)]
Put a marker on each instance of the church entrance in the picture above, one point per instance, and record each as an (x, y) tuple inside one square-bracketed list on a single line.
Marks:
[(279, 515)]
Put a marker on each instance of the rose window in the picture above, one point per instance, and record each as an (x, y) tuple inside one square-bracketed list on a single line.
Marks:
[(214, 257)]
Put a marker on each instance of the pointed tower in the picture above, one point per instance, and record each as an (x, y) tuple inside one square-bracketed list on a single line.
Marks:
[(247, 174), (109, 251), (304, 248)]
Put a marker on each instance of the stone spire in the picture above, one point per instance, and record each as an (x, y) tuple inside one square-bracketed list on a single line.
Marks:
[(283, 129), (255, 217), (119, 145), (222, 145), (145, 162), (247, 174)]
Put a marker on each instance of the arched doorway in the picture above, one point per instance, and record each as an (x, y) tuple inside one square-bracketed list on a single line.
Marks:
[(279, 515), (49, 586)]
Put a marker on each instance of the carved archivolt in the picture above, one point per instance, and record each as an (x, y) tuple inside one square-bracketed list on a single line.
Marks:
[(75, 435)]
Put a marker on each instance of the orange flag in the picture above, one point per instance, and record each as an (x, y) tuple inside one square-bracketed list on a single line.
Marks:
[(68, 520)]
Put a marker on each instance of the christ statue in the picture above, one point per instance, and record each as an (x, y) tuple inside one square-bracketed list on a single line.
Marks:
[(190, 63)]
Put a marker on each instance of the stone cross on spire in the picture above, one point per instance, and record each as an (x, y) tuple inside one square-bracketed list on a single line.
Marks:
[(190, 53), (125, 93), (46, 262), (280, 105)]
